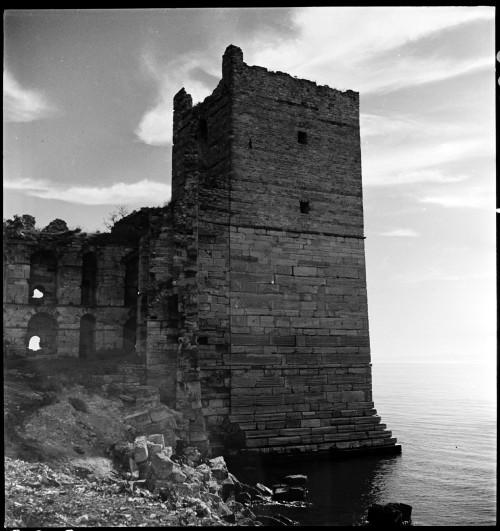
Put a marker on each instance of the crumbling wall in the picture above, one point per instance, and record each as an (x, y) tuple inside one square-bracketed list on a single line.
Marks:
[(158, 308), (43, 278)]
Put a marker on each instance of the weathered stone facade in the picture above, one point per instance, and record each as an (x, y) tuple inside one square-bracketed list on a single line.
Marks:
[(251, 312), (76, 292)]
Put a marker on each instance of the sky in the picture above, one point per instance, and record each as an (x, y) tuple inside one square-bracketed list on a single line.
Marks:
[(88, 126)]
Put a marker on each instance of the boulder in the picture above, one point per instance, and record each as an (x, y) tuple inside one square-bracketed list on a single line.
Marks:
[(227, 489), (285, 493), (405, 511), (265, 491), (217, 462), (280, 492), (296, 480), (219, 473), (252, 491), (389, 515), (244, 498)]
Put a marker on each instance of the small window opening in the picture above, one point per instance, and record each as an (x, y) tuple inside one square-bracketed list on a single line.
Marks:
[(37, 294), (203, 340), (302, 137), (304, 207), (250, 144), (203, 130), (34, 343)]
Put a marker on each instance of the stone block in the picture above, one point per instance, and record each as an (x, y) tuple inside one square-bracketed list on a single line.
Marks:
[(140, 450), (178, 475), (156, 438), (154, 448), (162, 465), (138, 419), (160, 414)]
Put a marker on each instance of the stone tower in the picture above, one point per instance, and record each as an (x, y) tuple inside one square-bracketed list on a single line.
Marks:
[(268, 267)]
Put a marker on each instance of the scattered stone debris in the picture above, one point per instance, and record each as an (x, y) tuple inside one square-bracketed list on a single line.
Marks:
[(154, 486)]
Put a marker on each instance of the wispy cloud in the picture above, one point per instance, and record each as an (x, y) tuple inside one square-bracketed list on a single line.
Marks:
[(470, 197), (143, 193), (392, 127), (25, 184), (23, 105), (358, 58), (403, 233), (404, 150), (412, 71), (426, 162), (433, 274)]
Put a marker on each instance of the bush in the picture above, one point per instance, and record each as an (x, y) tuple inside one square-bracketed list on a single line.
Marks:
[(51, 384), (78, 404)]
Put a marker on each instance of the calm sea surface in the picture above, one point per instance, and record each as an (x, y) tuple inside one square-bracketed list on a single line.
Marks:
[(444, 417)]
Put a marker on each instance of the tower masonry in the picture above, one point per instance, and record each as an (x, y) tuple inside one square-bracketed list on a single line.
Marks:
[(266, 282)]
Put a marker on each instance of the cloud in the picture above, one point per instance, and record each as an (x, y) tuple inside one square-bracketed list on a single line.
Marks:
[(471, 197), (23, 105), (188, 71), (393, 127), (433, 274), (143, 193), (405, 233), (348, 46), (412, 71), (343, 47), (382, 167), (25, 184), (401, 149)]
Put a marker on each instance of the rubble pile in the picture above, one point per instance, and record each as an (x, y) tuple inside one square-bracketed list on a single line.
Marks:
[(184, 473), (155, 486)]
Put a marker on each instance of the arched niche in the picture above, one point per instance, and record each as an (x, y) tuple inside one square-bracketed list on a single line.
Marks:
[(130, 336), (43, 326), (86, 347), (89, 280), (43, 276), (131, 281)]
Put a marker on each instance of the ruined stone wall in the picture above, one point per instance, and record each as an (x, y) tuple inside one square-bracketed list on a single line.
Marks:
[(273, 190), (156, 251), (58, 314)]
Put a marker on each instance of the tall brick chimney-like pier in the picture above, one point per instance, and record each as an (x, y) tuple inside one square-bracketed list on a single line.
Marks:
[(268, 268)]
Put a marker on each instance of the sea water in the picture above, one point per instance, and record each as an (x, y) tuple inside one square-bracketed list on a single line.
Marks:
[(444, 417)]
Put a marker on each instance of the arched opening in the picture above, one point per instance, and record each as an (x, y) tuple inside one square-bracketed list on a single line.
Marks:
[(89, 280), (34, 343), (41, 334), (37, 293), (87, 336), (131, 281), (43, 275), (130, 336)]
